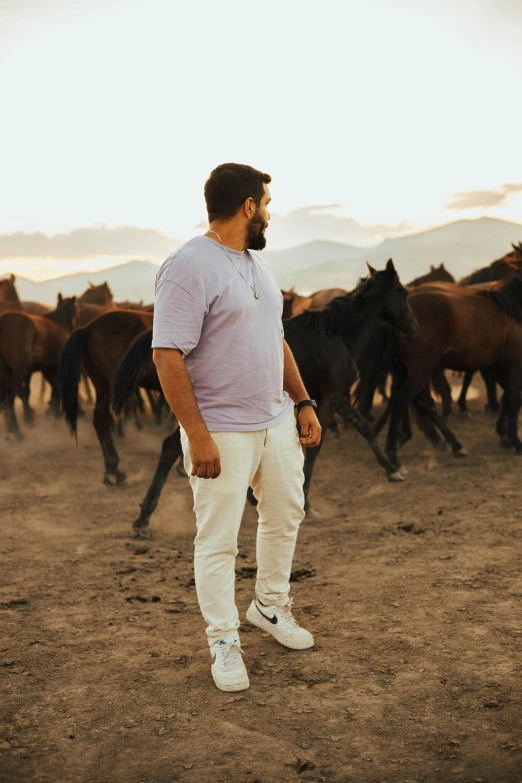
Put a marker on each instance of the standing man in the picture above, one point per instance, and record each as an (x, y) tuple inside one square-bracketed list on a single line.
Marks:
[(232, 382)]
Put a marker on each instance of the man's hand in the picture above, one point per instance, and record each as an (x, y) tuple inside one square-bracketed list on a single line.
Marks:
[(310, 427), (204, 456)]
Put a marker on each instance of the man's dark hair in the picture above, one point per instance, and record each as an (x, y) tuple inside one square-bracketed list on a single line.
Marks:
[(229, 186)]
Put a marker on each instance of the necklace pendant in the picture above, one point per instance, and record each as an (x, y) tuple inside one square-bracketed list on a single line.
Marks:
[(256, 295)]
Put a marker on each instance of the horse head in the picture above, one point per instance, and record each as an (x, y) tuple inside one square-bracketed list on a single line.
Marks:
[(396, 310)]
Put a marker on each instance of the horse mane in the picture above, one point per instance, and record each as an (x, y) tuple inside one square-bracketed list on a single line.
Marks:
[(340, 314), (508, 297)]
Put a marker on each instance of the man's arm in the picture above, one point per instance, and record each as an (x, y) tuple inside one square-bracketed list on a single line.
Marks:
[(293, 384), (177, 388)]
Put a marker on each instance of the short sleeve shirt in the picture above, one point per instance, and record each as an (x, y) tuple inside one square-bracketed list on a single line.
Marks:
[(231, 341)]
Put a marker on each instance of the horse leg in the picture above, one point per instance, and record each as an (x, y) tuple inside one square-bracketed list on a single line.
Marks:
[(325, 413), (400, 394), (87, 387), (425, 424), (381, 386), (25, 390), (490, 381), (13, 380), (170, 451), (443, 389), (102, 421), (427, 405), (55, 404), (352, 416), (462, 402), (513, 408)]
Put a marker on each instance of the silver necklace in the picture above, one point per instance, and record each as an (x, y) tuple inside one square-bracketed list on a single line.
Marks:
[(253, 287)]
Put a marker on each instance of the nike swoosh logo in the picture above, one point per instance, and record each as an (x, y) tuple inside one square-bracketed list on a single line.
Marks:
[(272, 620)]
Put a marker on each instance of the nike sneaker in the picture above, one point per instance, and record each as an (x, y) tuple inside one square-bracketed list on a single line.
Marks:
[(280, 623), (228, 670)]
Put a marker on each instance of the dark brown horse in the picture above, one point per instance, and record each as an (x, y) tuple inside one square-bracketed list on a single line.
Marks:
[(32, 343), (460, 329), (99, 347)]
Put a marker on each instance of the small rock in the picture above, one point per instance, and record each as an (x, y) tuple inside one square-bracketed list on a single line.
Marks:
[(305, 745), (335, 739), (492, 705), (5, 745), (188, 766), (235, 698), (162, 732)]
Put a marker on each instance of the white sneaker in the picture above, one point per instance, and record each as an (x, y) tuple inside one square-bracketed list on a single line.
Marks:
[(280, 623), (228, 670)]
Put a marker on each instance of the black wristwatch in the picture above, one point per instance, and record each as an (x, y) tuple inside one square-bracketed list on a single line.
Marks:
[(304, 403)]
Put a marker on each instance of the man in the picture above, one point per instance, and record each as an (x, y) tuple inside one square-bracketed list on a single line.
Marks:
[(231, 380)]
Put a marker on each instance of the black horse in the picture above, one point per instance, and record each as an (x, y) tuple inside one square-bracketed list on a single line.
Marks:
[(325, 344)]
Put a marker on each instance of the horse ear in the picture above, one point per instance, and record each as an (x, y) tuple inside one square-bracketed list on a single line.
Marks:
[(60, 297), (432, 268), (390, 267), (73, 299), (442, 266), (371, 270), (91, 285), (13, 278)]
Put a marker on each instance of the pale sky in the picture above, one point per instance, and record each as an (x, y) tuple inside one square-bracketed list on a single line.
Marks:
[(115, 111)]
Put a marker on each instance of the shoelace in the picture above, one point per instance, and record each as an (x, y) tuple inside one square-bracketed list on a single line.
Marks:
[(287, 616), (230, 655)]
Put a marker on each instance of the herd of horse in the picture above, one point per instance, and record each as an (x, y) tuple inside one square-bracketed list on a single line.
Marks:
[(347, 344)]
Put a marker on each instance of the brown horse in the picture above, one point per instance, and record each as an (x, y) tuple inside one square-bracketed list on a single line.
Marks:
[(294, 304), (9, 299), (437, 274), (35, 308), (31, 343), (460, 329), (99, 348), (490, 276)]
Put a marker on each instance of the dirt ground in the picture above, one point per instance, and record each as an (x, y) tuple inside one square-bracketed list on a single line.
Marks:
[(412, 592)]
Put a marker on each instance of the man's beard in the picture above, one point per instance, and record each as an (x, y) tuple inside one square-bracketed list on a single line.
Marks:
[(255, 233)]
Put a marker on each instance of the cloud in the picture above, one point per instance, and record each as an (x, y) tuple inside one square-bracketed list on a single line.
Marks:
[(88, 242), (477, 199)]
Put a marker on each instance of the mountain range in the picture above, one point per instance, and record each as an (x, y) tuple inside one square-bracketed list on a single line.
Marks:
[(463, 245)]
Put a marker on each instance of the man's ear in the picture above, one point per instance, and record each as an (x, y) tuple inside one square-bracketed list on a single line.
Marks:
[(371, 270)]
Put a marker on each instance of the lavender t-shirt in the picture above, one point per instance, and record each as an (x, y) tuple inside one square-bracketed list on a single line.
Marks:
[(232, 342)]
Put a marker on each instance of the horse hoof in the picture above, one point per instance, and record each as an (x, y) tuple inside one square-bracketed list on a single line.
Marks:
[(121, 478), (15, 437), (311, 513), (141, 531), (115, 480), (397, 476), (461, 453)]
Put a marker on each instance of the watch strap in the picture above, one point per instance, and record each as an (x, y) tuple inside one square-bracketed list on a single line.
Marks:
[(305, 403)]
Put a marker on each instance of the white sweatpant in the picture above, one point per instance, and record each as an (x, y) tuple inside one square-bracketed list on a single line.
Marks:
[(271, 462)]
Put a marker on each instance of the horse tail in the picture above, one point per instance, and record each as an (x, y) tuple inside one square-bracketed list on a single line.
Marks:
[(371, 366), (128, 373), (70, 368)]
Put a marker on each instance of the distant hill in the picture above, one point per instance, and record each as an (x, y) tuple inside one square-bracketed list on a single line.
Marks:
[(291, 260), (463, 246), (133, 281)]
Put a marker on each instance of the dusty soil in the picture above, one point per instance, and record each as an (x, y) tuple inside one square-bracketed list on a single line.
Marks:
[(412, 591)]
